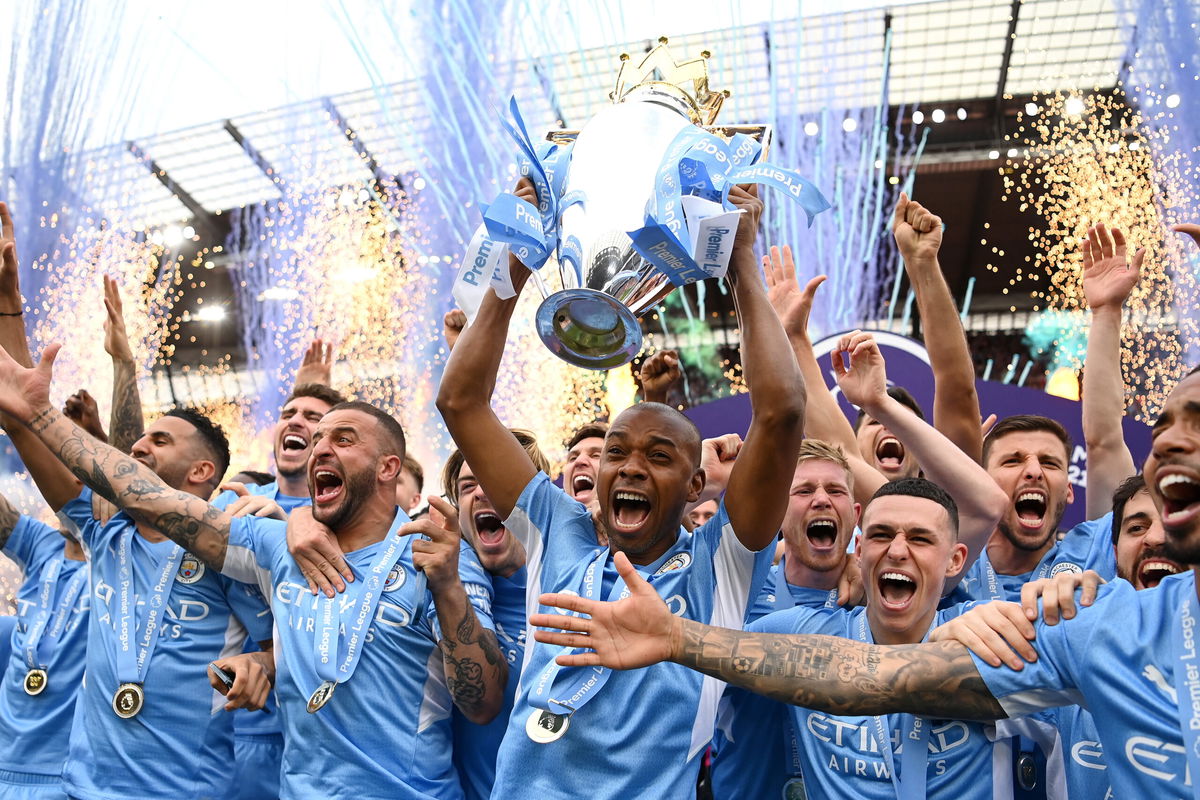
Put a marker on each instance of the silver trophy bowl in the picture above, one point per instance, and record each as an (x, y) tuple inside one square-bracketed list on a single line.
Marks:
[(593, 321)]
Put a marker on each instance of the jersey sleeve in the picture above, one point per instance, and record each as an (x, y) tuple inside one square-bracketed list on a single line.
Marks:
[(543, 506), (478, 585), (250, 607), (31, 542), (254, 546), (76, 516), (800, 619), (225, 499), (740, 572), (1054, 679)]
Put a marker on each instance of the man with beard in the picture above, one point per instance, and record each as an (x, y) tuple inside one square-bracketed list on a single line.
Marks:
[(1029, 456), (503, 556), (586, 733), (383, 633), (258, 737), (816, 531), (1130, 657)]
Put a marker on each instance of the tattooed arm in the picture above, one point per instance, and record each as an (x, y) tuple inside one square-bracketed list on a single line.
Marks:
[(127, 423), (839, 676), (475, 668)]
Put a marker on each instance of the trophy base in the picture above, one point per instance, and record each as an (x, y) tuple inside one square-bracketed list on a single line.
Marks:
[(589, 329)]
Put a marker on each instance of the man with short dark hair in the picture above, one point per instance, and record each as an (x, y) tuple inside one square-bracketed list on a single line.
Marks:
[(583, 733), (583, 461), (410, 485), (382, 631)]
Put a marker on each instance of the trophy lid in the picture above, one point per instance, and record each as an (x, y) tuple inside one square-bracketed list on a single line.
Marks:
[(659, 78)]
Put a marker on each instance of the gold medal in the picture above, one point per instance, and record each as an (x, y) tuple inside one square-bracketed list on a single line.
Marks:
[(128, 700), (35, 681), (544, 727), (321, 696)]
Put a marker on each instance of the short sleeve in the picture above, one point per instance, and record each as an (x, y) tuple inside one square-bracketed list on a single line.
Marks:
[(543, 505), (224, 499), (1052, 680), (250, 607), (31, 542), (799, 619), (76, 516), (741, 573), (254, 545)]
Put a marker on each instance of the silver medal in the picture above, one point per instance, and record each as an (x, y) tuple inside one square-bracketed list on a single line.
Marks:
[(544, 727)]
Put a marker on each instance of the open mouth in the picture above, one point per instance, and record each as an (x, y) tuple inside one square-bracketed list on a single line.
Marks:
[(889, 453), (630, 510), (822, 533), (327, 485), (581, 484), (293, 442), (1151, 571), (896, 589), (489, 527), (1031, 509), (1181, 499)]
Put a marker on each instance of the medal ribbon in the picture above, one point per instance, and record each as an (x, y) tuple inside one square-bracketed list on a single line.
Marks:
[(133, 659), (914, 737), (1187, 683), (991, 581), (46, 629), (343, 619)]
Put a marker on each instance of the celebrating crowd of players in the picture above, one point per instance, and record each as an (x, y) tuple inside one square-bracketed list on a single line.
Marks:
[(825, 609)]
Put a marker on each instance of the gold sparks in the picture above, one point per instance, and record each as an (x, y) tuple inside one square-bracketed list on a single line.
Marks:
[(1085, 159)]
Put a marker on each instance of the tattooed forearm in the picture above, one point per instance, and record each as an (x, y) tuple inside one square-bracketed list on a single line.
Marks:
[(842, 676), (185, 518), (126, 423), (475, 668)]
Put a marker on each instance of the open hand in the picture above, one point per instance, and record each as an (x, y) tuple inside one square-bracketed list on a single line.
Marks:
[(317, 553), (317, 364), (865, 380), (116, 339), (792, 306), (1108, 277), (10, 283)]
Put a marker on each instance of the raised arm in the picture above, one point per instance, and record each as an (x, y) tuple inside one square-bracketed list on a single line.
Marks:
[(317, 364), (127, 424), (501, 465), (1108, 279), (658, 374), (475, 668), (185, 518), (757, 495), (53, 480), (823, 418), (826, 673), (980, 501), (955, 402)]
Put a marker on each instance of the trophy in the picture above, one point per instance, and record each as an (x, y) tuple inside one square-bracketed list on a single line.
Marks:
[(630, 207)]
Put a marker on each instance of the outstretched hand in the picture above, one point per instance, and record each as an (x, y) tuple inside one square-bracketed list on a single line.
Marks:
[(116, 338), (636, 631), (1108, 277), (10, 284), (317, 364), (24, 392), (865, 380), (792, 306)]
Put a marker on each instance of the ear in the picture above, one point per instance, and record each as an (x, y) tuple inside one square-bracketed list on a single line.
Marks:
[(416, 501), (958, 560), (1070, 493), (695, 486), (203, 472), (857, 519), (387, 469)]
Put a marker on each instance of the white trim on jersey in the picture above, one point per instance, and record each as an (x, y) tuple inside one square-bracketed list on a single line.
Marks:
[(733, 565), (1049, 738), (235, 641), (1018, 704), (435, 697)]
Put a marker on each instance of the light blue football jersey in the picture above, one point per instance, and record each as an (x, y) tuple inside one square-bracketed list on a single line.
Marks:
[(840, 755), (1114, 658), (257, 723), (475, 746), (1083, 754), (36, 729), (753, 753), (1086, 546), (181, 743), (643, 734), (385, 733)]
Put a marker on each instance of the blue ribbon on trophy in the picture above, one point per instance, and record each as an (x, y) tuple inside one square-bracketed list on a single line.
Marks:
[(634, 206)]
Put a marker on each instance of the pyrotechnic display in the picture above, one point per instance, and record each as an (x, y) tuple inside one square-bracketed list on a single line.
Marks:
[(462, 399)]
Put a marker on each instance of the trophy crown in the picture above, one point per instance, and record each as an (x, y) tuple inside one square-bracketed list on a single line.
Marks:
[(660, 78)]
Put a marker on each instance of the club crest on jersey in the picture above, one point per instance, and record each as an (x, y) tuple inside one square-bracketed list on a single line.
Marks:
[(191, 569), (1064, 567), (677, 561), (395, 578)]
